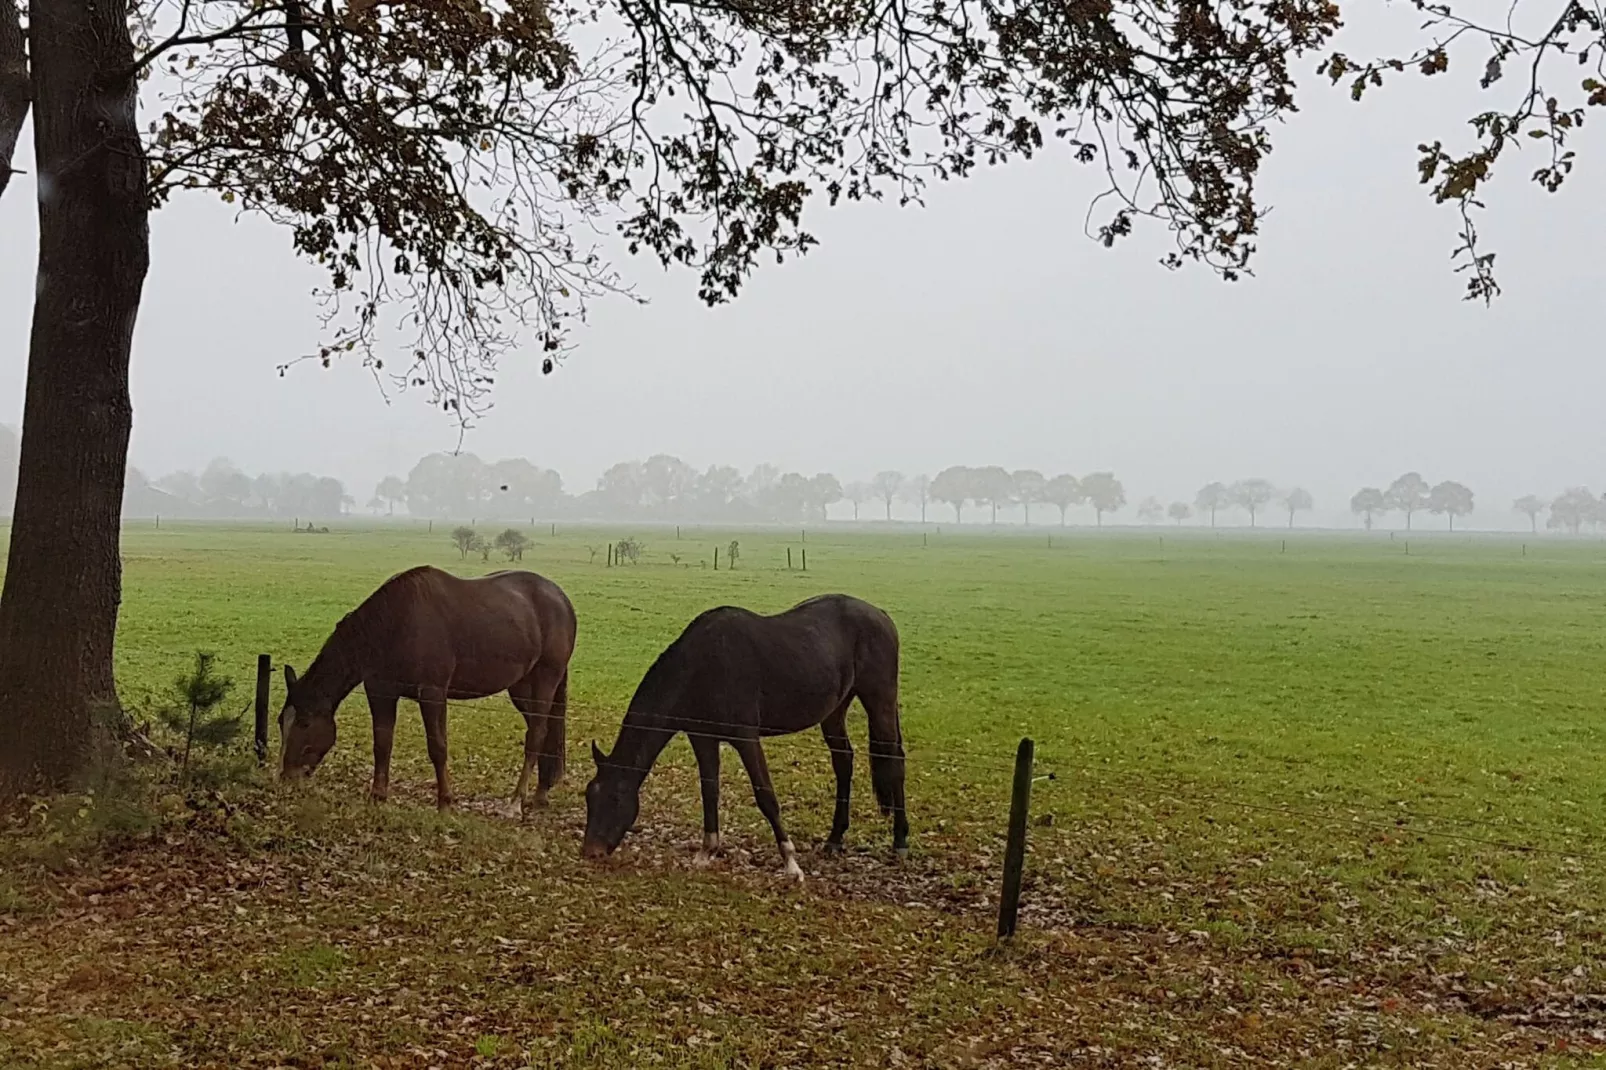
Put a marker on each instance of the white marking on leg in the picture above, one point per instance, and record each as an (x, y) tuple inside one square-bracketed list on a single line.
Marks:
[(789, 853)]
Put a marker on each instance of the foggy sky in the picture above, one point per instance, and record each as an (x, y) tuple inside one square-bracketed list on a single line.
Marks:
[(984, 329)]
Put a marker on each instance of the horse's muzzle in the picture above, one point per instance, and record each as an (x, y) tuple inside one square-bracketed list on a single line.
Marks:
[(593, 851)]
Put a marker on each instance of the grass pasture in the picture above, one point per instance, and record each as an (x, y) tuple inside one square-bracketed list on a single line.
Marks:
[(1322, 805)]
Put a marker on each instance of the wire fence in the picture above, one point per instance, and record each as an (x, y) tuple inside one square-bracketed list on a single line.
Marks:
[(1060, 770)]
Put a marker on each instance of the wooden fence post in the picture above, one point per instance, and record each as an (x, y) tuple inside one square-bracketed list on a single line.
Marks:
[(789, 559), (1020, 800), (264, 676), (716, 559), (805, 560)]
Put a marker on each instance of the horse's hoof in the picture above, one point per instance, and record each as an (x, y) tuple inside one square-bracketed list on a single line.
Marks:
[(833, 847), (793, 871), (702, 860), (445, 806), (901, 853)]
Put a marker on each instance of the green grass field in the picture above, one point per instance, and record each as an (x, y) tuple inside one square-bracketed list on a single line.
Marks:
[(1326, 805)]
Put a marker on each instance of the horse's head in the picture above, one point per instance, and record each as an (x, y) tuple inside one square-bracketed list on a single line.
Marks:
[(612, 800), (306, 729)]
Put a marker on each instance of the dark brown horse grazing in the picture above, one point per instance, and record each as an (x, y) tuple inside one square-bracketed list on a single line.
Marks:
[(735, 677), (427, 635)]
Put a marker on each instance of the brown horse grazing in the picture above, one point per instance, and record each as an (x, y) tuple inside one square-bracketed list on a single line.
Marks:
[(427, 635), (735, 677)]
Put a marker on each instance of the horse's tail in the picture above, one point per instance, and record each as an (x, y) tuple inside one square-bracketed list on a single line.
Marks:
[(554, 748), (886, 775), (886, 750)]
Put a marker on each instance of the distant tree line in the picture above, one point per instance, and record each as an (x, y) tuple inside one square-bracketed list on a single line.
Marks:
[(665, 488), (1411, 494), (223, 490), (1574, 509)]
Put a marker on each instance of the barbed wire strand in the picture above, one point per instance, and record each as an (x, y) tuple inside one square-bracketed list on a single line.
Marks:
[(927, 754)]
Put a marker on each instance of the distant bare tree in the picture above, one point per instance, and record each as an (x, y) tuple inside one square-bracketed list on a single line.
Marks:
[(1063, 491), (1029, 488), (1251, 495), (857, 493), (391, 490), (886, 486), (954, 486), (1296, 500), (1572, 509), (1104, 493), (916, 490), (1451, 499), (1530, 505), (1408, 494), (994, 486), (1179, 511), (513, 543), (1367, 502), (1150, 511), (1212, 496)]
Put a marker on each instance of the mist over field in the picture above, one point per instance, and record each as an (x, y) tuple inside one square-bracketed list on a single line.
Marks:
[(985, 329)]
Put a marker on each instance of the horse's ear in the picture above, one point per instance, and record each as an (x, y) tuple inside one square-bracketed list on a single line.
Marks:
[(289, 677), (596, 754)]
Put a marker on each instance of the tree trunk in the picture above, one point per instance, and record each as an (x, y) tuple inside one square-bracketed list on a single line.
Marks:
[(63, 582), (889, 510), (15, 92)]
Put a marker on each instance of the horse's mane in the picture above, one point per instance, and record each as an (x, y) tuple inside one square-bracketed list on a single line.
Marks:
[(364, 631)]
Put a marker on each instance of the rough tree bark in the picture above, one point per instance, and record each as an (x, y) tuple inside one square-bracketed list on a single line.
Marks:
[(63, 582), (14, 91)]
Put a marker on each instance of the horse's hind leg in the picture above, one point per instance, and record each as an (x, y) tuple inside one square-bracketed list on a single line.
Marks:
[(706, 748), (434, 713), (538, 697), (554, 747), (758, 771), (835, 730), (886, 759)]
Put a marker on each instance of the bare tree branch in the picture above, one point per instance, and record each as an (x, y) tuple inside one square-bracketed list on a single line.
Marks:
[(1561, 68), (454, 167), (15, 93)]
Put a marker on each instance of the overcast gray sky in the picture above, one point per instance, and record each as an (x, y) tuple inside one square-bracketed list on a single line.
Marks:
[(984, 329)]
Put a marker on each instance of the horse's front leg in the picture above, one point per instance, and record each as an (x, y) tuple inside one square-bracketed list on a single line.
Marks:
[(434, 712), (382, 708), (758, 771)]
